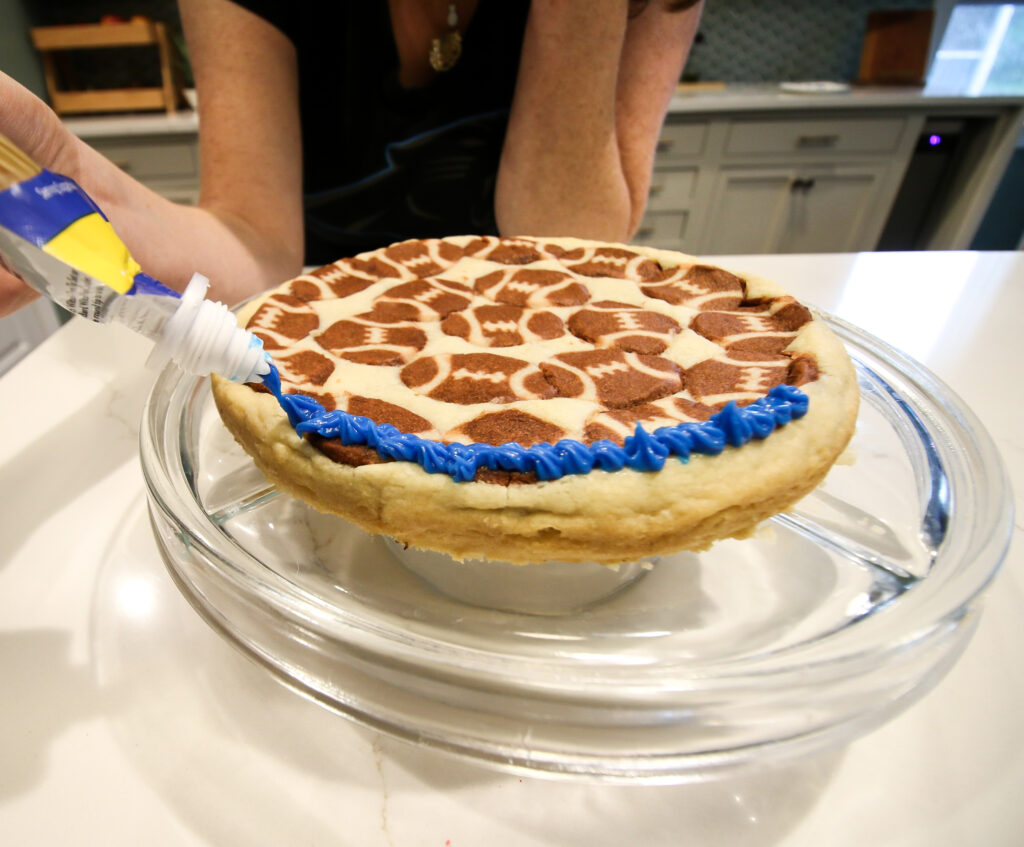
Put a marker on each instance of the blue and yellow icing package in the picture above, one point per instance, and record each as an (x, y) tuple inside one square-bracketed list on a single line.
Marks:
[(55, 238), (58, 241)]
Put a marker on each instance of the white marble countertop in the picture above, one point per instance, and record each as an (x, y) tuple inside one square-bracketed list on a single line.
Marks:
[(729, 99), (128, 721), (183, 122), (770, 97)]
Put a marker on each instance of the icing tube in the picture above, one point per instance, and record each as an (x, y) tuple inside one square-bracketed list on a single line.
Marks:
[(56, 239)]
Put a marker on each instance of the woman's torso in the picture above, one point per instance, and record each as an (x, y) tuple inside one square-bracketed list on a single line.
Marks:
[(382, 162)]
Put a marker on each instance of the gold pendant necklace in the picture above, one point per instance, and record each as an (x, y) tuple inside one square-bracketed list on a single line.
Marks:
[(445, 51)]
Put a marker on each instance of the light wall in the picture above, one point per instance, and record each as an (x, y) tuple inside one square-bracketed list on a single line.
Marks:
[(18, 57)]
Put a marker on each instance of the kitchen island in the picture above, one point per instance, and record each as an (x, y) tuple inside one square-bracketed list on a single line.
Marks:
[(127, 720)]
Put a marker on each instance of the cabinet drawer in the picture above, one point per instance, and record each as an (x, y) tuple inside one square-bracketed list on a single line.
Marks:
[(151, 158), (671, 190), (863, 135), (666, 229), (680, 140)]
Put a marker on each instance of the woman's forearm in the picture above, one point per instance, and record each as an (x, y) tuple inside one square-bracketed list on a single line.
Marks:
[(591, 95), (560, 169), (246, 233)]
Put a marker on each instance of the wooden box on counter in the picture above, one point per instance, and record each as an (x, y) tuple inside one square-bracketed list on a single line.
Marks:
[(50, 41), (895, 48)]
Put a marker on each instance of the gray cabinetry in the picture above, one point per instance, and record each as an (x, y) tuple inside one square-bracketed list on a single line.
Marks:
[(779, 184)]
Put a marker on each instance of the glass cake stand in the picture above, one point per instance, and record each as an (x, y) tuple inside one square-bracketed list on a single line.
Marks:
[(830, 620)]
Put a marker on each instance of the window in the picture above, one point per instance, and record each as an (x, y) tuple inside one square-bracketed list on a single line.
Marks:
[(981, 52)]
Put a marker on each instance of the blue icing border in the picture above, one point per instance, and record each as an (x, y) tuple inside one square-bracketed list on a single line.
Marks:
[(642, 451)]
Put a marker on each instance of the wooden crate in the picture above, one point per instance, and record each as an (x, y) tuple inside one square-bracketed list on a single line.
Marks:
[(50, 40), (895, 50)]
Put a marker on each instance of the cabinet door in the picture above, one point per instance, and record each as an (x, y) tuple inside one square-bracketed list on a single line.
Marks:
[(663, 229), (749, 212), (793, 210), (167, 164), (828, 211), (671, 189), (152, 158)]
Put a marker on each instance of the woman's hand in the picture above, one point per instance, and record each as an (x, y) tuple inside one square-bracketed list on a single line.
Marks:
[(246, 232), (593, 88), (34, 128), (14, 294)]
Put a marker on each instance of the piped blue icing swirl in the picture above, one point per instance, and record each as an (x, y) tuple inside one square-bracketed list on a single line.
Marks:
[(642, 451)]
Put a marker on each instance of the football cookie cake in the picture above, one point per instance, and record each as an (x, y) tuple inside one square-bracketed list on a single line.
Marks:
[(535, 400)]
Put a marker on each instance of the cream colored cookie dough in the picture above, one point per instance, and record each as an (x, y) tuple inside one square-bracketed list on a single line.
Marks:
[(607, 517)]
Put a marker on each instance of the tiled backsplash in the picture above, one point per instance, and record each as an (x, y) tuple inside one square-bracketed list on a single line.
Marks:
[(770, 41)]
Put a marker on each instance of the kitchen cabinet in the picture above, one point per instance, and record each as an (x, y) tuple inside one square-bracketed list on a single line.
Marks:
[(169, 164), (839, 211), (808, 136), (794, 210), (785, 184), (749, 210), (679, 185), (671, 199)]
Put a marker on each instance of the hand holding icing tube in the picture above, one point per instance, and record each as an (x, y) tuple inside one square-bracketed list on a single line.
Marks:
[(56, 239)]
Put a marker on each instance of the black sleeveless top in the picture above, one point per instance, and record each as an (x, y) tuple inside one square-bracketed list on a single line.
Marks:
[(380, 162)]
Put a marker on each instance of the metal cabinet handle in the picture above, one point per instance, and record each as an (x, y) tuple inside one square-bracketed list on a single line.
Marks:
[(664, 145), (817, 142), (801, 185), (644, 232)]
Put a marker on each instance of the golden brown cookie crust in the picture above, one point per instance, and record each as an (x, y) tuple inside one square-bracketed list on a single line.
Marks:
[(608, 517)]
